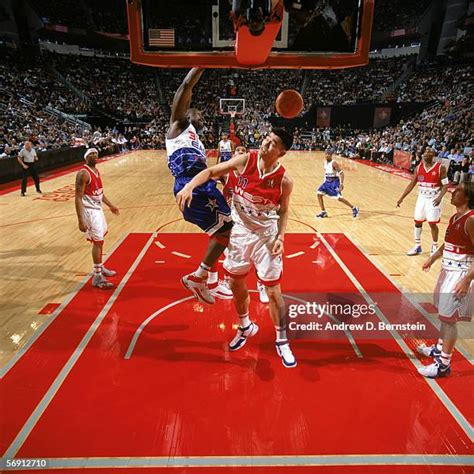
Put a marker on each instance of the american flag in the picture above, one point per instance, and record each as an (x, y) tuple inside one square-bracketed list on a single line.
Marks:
[(161, 37)]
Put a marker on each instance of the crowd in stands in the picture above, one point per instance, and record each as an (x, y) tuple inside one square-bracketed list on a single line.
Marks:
[(390, 15), (138, 98), (107, 16)]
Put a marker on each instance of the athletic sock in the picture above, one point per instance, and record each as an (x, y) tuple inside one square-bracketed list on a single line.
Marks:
[(445, 358), (98, 268), (202, 271), (418, 236), (439, 345), (244, 320), (213, 276), (280, 333)]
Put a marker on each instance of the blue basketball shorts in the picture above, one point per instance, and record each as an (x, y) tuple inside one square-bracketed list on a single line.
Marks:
[(209, 209)]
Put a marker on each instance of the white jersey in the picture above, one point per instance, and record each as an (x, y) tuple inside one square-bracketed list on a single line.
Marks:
[(255, 197), (186, 153), (225, 150), (330, 173), (225, 146)]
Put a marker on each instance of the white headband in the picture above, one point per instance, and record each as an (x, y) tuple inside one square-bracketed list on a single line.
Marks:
[(89, 151)]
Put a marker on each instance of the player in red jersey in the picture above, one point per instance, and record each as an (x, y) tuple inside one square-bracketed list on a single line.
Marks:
[(454, 293), (432, 183), (260, 206), (90, 216)]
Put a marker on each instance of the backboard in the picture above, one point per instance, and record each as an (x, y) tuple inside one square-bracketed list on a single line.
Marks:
[(312, 34)]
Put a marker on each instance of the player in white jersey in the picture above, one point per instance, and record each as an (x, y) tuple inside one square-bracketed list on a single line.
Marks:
[(333, 185), (432, 183), (454, 293), (260, 207), (90, 216), (225, 148)]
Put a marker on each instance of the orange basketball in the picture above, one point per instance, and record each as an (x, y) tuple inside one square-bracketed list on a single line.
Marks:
[(289, 103)]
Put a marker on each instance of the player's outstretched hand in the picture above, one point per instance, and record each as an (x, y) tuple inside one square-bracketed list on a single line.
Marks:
[(462, 287), (184, 198), (115, 210), (427, 265), (399, 202), (278, 247)]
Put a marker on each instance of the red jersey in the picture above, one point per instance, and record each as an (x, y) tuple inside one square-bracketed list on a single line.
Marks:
[(94, 192), (256, 196), (458, 251), (429, 180), (230, 181)]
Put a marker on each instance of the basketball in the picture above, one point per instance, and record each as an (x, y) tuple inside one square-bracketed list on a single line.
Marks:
[(289, 103)]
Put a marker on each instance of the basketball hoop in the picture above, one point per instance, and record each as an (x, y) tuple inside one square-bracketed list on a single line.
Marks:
[(232, 107)]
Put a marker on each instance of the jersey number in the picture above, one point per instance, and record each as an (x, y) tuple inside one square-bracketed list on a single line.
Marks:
[(242, 182)]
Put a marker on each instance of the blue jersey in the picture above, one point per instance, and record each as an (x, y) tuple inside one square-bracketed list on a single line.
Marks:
[(186, 154)]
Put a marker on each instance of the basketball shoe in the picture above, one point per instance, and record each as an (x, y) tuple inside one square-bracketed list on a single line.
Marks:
[(108, 273), (428, 351), (99, 281), (220, 289), (322, 214), (435, 370), (241, 337), (355, 212), (416, 250), (284, 351), (198, 287)]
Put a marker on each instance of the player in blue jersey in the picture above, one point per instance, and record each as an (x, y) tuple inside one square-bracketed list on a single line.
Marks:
[(208, 209), (333, 185)]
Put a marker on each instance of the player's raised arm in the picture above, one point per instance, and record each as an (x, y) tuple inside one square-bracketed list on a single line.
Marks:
[(409, 188), (182, 100), (185, 196)]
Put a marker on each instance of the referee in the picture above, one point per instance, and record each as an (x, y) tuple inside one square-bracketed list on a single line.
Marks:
[(27, 159)]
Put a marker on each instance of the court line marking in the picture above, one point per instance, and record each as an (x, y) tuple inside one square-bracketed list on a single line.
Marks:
[(293, 255), (264, 461), (18, 355), (179, 254), (68, 366), (138, 332), (159, 244), (443, 397), (435, 322)]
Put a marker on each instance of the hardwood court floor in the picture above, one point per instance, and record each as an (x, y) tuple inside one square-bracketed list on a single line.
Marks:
[(45, 257)]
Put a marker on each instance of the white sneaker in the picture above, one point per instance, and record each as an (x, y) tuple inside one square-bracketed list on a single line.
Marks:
[(220, 289), (416, 250), (428, 351), (434, 247), (108, 273), (284, 351), (198, 287), (262, 291), (99, 281), (241, 337), (435, 370)]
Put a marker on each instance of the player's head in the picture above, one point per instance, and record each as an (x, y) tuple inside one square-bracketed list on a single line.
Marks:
[(195, 118), (328, 154), (91, 155), (276, 144), (224, 136), (429, 155), (463, 194), (240, 150)]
